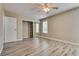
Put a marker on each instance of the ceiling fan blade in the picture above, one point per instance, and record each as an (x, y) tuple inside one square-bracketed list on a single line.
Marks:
[(54, 7)]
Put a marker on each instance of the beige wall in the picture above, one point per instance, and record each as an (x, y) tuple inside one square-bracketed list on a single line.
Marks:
[(1, 28), (64, 26)]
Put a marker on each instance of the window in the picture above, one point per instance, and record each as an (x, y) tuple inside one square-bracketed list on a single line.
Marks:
[(45, 27), (37, 27)]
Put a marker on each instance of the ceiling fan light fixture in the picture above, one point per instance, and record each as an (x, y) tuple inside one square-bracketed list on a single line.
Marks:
[(46, 7)]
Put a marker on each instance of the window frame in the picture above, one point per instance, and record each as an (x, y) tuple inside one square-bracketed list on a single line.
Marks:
[(45, 26), (37, 28)]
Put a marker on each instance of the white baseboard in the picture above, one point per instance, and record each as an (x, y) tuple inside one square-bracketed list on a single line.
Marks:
[(64, 41)]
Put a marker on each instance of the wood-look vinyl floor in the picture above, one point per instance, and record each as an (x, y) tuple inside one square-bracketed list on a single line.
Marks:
[(39, 47)]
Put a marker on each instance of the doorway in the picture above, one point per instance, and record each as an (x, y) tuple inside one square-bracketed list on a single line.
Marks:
[(10, 29), (27, 29)]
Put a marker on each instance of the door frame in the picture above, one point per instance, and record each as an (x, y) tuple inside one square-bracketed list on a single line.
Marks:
[(4, 28)]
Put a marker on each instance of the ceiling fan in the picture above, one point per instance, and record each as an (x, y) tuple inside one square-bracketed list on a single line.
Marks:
[(46, 7)]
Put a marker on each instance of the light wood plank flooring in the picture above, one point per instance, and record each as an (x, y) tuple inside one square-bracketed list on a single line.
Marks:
[(39, 47)]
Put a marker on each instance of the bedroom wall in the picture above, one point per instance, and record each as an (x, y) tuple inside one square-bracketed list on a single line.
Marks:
[(20, 19), (64, 26)]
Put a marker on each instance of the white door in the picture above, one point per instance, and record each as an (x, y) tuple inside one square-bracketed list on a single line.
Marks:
[(10, 29)]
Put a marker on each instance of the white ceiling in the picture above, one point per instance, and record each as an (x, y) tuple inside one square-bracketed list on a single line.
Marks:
[(30, 10)]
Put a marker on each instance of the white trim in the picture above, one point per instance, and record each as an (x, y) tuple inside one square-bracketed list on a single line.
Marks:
[(64, 41), (1, 49)]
